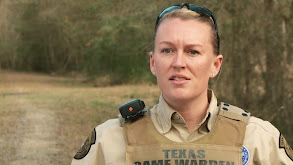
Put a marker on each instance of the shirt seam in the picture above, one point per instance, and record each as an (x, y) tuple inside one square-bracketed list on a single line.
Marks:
[(105, 127), (263, 128)]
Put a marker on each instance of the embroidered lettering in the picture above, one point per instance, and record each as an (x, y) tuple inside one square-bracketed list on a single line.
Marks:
[(213, 162), (181, 162), (203, 162), (221, 162), (166, 153), (283, 144), (201, 154), (174, 153), (182, 153), (85, 148), (191, 154), (184, 157), (184, 162), (167, 162), (154, 162), (158, 162), (193, 162)]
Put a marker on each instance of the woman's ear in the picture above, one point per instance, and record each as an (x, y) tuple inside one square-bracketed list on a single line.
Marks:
[(217, 65), (152, 63)]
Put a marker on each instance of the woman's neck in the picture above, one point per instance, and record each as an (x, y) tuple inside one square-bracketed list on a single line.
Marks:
[(193, 111)]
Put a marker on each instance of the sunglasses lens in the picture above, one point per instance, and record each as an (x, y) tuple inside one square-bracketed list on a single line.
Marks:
[(204, 11), (200, 10), (195, 8), (167, 10)]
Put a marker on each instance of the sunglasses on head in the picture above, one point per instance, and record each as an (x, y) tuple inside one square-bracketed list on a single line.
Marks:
[(198, 9)]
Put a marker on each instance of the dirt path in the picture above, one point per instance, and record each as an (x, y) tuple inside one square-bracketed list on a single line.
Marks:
[(44, 119), (28, 125), (37, 135)]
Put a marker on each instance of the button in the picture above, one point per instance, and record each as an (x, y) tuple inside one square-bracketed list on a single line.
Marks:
[(226, 104), (176, 117), (244, 114), (225, 109)]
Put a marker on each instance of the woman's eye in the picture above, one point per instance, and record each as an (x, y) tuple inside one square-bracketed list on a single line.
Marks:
[(167, 50), (193, 52)]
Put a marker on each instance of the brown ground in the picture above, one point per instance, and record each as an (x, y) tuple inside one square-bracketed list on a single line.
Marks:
[(44, 119)]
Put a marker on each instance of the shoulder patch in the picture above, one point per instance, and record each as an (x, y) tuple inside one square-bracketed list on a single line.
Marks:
[(85, 148), (245, 155), (283, 144)]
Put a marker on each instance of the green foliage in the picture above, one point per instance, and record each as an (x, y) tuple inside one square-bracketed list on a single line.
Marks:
[(112, 39), (107, 56), (45, 47)]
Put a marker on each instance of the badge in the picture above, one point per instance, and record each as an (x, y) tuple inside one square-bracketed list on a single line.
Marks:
[(85, 148), (245, 155), (283, 144)]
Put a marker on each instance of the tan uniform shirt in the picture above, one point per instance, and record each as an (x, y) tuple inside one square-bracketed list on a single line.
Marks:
[(262, 140)]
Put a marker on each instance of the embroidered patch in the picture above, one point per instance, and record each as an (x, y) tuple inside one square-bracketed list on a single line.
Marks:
[(245, 155), (85, 148), (283, 144)]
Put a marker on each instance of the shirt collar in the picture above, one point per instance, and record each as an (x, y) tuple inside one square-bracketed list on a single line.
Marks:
[(164, 113), (213, 110)]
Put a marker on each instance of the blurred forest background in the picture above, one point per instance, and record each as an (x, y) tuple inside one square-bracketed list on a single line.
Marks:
[(109, 40)]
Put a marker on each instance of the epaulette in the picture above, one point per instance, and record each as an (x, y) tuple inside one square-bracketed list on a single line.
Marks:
[(132, 111), (233, 112)]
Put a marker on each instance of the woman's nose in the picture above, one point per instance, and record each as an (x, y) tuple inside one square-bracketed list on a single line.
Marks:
[(179, 60)]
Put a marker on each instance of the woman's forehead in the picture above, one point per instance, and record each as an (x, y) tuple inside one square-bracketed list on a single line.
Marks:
[(178, 30)]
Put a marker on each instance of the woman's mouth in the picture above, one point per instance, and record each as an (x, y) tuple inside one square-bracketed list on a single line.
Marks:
[(178, 78)]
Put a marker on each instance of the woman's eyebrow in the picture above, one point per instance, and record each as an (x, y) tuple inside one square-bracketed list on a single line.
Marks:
[(166, 42), (193, 45), (187, 45)]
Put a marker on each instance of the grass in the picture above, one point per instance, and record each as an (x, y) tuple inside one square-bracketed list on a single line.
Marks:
[(78, 109)]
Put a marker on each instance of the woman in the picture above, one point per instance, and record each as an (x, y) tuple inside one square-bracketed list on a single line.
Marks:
[(186, 126)]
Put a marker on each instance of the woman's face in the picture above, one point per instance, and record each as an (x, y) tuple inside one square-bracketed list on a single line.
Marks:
[(183, 59)]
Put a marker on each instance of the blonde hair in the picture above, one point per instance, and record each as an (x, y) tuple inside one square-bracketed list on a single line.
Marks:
[(186, 14)]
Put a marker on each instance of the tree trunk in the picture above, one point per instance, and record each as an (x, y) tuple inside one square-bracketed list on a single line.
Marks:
[(274, 75)]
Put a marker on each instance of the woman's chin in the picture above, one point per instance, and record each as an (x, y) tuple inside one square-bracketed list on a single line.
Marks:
[(177, 98)]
